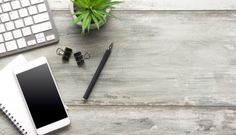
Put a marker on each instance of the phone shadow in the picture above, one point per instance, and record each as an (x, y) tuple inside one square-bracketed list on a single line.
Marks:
[(60, 131)]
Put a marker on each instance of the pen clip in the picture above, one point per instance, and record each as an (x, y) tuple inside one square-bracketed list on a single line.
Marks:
[(110, 47)]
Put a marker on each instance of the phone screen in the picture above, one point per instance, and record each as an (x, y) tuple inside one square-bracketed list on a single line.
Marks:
[(41, 95)]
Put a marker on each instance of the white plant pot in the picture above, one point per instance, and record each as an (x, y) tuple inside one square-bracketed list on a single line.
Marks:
[(93, 26)]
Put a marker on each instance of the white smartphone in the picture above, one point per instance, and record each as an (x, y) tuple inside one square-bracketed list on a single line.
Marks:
[(41, 95)]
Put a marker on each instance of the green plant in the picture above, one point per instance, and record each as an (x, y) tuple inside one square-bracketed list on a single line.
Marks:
[(93, 12)]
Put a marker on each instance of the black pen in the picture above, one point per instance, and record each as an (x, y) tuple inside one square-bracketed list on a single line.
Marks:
[(97, 73)]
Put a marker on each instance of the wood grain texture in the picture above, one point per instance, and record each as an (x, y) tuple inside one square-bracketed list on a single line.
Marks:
[(159, 58), (164, 58), (171, 72), (161, 5), (144, 120)]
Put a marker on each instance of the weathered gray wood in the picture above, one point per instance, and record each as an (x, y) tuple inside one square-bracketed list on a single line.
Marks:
[(161, 5), (144, 120), (159, 58), (164, 58)]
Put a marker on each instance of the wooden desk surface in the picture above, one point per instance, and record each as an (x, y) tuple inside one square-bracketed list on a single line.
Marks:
[(171, 72)]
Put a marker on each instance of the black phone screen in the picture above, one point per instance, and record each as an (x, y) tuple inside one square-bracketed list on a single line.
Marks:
[(41, 95)]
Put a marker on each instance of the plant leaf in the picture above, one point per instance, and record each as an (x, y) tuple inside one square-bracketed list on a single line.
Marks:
[(79, 12), (107, 14), (80, 3), (99, 3), (78, 19), (93, 10), (89, 20), (84, 24), (109, 5), (95, 21), (100, 16), (100, 19)]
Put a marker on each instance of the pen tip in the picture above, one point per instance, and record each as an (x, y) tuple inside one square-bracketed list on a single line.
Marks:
[(111, 46)]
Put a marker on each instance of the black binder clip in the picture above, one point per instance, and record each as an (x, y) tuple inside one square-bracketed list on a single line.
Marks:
[(79, 57), (66, 54)]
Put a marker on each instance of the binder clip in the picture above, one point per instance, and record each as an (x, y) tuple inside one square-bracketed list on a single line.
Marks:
[(79, 58), (66, 53)]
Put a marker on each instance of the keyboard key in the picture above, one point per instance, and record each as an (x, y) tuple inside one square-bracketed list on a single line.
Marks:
[(23, 12), (19, 23), (40, 35), (24, 24), (26, 31), (36, 1), (32, 10), (11, 45), (42, 8), (15, 4), (2, 48), (2, 28), (21, 43), (50, 37), (1, 38), (25, 3), (10, 26), (41, 40), (4, 17), (41, 27), (41, 17), (14, 15), (8, 36), (31, 42), (17, 33), (28, 21), (6, 7)]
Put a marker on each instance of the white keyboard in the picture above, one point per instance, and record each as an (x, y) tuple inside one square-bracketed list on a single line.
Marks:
[(25, 25)]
